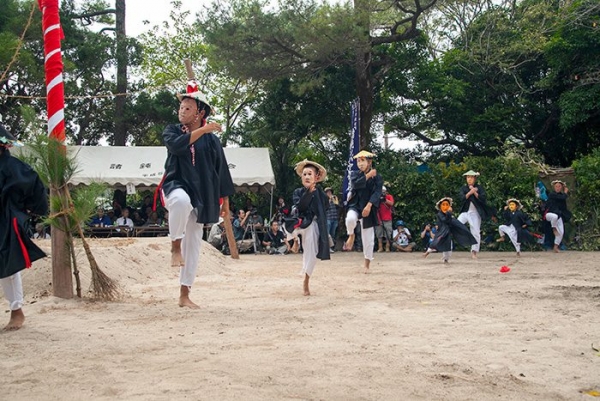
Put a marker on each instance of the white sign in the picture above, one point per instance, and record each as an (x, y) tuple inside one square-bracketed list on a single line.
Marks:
[(130, 188)]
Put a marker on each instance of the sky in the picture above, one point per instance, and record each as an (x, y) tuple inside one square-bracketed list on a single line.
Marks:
[(157, 11)]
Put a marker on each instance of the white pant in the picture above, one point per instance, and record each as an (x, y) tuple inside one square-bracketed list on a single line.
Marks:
[(310, 245), (367, 235), (183, 225), (556, 222), (511, 231), (474, 220), (13, 290)]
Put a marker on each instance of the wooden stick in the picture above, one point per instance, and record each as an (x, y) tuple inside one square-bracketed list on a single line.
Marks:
[(188, 69)]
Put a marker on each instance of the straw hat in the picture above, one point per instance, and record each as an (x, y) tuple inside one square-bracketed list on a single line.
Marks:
[(364, 153), (322, 172), (471, 173), (515, 200), (558, 181), (447, 198), (198, 97)]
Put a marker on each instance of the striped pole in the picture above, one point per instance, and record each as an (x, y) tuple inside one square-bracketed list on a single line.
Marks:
[(62, 279), (53, 64)]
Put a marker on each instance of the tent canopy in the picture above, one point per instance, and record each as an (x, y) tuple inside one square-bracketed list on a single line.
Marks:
[(143, 166)]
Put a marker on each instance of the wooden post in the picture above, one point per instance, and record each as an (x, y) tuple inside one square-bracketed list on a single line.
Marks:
[(227, 222)]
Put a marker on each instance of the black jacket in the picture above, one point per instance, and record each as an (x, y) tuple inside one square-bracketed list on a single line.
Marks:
[(307, 205), (199, 169), (557, 203), (21, 193), (363, 192), (485, 211), (518, 219), (448, 229)]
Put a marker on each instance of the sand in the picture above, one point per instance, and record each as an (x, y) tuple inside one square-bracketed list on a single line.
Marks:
[(413, 329)]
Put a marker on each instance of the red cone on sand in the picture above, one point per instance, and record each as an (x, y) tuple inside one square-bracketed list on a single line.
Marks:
[(504, 269)]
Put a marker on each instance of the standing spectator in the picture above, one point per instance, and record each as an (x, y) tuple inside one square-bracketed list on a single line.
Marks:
[(21, 193), (365, 185), (100, 220), (384, 217), (474, 208), (282, 208), (274, 240), (332, 216), (196, 179), (557, 213), (402, 238)]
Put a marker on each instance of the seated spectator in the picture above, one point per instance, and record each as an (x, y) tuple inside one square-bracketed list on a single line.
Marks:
[(274, 241), (147, 203), (138, 221), (402, 239), (216, 236), (40, 232), (428, 234), (100, 220), (239, 225), (153, 220), (111, 215), (166, 218), (124, 220)]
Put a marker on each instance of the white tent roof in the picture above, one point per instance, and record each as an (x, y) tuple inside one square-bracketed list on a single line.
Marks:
[(143, 166)]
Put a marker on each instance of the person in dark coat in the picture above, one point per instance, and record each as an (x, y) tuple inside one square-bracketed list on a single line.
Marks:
[(515, 225), (309, 218), (449, 228), (196, 178), (474, 208), (21, 194), (365, 194), (557, 213)]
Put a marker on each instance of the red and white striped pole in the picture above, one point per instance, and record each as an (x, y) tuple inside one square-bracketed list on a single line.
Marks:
[(62, 280), (53, 64)]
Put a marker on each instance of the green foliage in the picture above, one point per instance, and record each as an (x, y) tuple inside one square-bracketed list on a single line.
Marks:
[(586, 210), (416, 189)]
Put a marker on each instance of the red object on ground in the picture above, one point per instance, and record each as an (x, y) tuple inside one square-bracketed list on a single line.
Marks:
[(504, 269)]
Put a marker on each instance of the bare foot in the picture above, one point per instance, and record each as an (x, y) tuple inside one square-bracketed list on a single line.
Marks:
[(296, 246), (17, 318), (306, 289), (367, 264), (473, 254), (426, 254), (349, 244), (176, 256), (518, 254), (556, 250), (184, 298), (501, 239)]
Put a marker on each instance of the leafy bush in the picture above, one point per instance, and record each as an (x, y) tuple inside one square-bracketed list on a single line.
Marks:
[(585, 213)]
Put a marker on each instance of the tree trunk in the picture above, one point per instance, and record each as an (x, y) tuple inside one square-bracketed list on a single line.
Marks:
[(364, 77), (120, 135), (62, 280)]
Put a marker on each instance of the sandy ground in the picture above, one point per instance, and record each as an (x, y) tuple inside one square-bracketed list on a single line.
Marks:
[(413, 329)]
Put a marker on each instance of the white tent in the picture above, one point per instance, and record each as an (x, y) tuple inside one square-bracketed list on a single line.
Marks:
[(143, 166)]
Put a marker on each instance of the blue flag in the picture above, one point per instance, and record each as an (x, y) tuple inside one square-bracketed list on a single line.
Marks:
[(354, 147)]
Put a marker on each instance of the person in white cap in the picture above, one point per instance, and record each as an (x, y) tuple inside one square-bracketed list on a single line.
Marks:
[(21, 193), (363, 202), (557, 213), (196, 179), (474, 208)]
